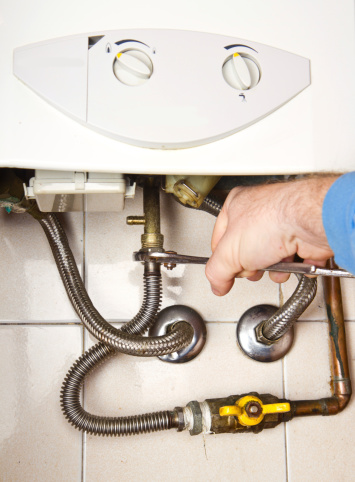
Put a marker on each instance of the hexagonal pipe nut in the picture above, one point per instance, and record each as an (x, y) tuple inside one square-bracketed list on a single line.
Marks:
[(197, 418)]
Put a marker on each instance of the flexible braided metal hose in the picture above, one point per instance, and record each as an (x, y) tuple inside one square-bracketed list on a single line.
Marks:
[(126, 339), (276, 326), (96, 425), (211, 205), (125, 342)]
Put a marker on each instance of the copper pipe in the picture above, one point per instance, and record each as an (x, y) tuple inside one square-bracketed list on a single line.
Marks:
[(340, 378)]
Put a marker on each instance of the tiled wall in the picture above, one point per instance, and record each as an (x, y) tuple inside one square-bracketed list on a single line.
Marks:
[(40, 337)]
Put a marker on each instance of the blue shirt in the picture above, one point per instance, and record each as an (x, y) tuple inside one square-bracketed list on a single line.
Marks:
[(339, 220)]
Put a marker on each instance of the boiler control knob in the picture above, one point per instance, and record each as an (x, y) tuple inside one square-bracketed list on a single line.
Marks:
[(241, 72), (132, 67)]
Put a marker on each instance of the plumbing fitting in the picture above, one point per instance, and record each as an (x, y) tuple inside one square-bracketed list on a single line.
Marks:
[(261, 350), (152, 237), (265, 333), (211, 205), (190, 190), (165, 321), (235, 414)]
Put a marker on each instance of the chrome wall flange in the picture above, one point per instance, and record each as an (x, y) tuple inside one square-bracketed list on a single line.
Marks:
[(173, 314), (249, 342)]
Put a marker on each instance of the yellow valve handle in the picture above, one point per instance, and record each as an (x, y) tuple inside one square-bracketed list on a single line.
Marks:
[(276, 408), (239, 410)]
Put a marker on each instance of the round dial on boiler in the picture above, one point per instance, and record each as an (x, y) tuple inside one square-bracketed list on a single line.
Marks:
[(241, 72), (132, 67)]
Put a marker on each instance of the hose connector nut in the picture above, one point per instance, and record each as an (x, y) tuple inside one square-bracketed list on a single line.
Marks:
[(152, 240), (260, 335), (251, 339), (179, 418), (172, 315), (197, 426)]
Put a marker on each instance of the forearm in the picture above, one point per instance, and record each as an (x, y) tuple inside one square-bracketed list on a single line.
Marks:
[(302, 206)]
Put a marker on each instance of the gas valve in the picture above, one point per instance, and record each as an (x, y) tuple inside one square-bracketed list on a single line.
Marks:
[(249, 412)]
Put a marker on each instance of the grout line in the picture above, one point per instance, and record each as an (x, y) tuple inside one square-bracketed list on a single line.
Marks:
[(283, 365), (283, 378), (286, 452), (84, 272), (281, 296), (83, 435), (78, 323), (83, 457), (42, 323), (85, 260)]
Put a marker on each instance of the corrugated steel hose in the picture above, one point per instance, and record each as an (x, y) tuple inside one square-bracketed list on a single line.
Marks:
[(275, 327), (128, 340)]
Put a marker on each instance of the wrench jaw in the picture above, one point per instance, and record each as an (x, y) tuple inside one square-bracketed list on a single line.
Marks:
[(168, 257)]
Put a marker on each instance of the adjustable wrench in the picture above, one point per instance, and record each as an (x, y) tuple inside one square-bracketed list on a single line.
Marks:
[(170, 259)]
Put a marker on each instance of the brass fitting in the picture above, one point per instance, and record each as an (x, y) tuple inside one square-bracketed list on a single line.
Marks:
[(152, 238), (135, 220), (190, 190)]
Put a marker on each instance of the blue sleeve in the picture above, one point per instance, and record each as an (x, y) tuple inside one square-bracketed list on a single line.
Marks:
[(339, 220)]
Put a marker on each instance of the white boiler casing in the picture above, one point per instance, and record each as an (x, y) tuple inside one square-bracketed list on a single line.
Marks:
[(295, 112)]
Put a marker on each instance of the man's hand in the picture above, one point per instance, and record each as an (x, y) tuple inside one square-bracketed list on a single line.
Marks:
[(263, 225)]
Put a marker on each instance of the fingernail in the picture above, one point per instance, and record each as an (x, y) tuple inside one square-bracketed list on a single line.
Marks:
[(215, 292)]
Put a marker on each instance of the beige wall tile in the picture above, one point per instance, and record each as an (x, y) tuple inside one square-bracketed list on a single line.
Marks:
[(348, 292), (318, 448), (36, 442), (317, 310), (130, 385), (32, 286), (115, 281)]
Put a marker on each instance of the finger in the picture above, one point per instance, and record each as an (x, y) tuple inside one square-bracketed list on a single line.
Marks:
[(219, 228), (246, 274), (279, 277), (320, 263), (257, 276), (221, 269)]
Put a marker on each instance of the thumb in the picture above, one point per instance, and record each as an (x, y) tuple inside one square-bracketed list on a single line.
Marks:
[(220, 228)]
